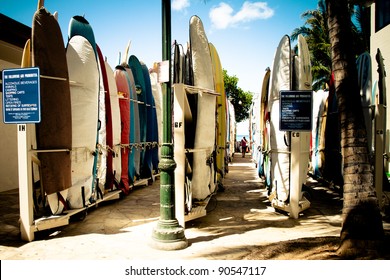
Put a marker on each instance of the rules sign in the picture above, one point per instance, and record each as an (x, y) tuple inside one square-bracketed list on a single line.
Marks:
[(295, 110), (21, 96)]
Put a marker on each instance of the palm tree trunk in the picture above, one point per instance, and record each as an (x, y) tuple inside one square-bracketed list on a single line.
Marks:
[(362, 228)]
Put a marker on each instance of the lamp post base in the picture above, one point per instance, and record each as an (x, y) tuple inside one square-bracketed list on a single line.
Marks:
[(168, 235)]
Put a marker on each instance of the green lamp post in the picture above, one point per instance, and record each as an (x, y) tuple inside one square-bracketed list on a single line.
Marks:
[(168, 234)]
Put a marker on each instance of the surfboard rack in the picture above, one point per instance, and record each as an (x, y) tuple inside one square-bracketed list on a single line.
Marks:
[(72, 83), (51, 151), (27, 155), (55, 221), (297, 202), (182, 113), (303, 204), (196, 90)]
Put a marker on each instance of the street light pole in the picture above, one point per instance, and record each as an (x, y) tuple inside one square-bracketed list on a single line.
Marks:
[(168, 234)]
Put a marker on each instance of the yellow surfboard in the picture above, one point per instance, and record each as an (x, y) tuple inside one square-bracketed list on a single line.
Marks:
[(219, 87)]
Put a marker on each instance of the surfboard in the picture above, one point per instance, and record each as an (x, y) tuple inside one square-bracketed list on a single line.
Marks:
[(319, 103), (148, 160), (184, 133), (303, 82), (228, 154), (188, 71), (108, 173), (139, 81), (381, 180), (254, 131), (84, 89), (182, 73), (263, 138), (332, 169), (264, 168), (102, 127), (203, 171), (26, 56), (55, 129), (321, 133), (279, 140), (157, 96), (38, 194), (152, 129), (40, 4), (299, 141), (232, 130), (114, 127), (124, 105), (219, 87), (363, 63), (79, 25), (135, 126), (133, 148), (178, 64)]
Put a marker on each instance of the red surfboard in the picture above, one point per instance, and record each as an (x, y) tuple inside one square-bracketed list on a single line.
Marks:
[(124, 104)]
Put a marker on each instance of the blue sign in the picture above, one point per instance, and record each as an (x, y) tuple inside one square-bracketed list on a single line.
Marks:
[(21, 96), (295, 110)]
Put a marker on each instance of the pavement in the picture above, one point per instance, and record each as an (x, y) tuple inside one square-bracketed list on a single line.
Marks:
[(237, 220)]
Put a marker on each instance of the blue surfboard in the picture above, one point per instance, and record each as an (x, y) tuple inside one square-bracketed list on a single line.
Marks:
[(135, 137), (131, 161), (139, 81), (151, 157)]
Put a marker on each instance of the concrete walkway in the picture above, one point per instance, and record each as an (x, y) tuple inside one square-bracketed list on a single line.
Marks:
[(237, 219)]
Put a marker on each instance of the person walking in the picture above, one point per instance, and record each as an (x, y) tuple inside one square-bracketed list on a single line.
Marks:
[(243, 146)]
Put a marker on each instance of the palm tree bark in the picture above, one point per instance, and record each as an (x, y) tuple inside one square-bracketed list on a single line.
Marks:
[(362, 229)]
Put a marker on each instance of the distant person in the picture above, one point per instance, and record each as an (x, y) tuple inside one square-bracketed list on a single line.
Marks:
[(243, 146)]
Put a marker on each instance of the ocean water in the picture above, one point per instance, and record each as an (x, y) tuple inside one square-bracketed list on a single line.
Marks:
[(240, 136)]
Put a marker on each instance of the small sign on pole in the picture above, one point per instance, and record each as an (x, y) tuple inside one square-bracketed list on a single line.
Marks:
[(295, 110), (21, 96)]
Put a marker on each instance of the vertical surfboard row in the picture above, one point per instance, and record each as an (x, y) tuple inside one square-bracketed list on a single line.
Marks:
[(274, 157), (325, 161), (281, 79), (100, 127), (209, 122)]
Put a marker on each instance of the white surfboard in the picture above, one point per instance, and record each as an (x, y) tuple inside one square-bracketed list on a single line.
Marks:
[(319, 101), (84, 74), (116, 123), (279, 140), (231, 129), (102, 135), (299, 140), (157, 95), (203, 170), (304, 82)]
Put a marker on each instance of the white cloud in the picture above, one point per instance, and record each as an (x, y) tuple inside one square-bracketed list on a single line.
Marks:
[(223, 16), (178, 5)]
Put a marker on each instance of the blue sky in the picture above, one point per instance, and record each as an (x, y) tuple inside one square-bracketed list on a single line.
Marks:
[(245, 33)]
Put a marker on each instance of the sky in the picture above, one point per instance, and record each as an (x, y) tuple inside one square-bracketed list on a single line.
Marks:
[(245, 33)]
